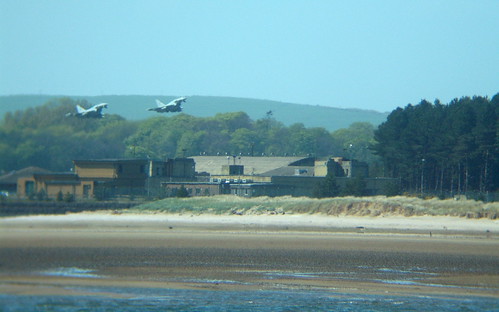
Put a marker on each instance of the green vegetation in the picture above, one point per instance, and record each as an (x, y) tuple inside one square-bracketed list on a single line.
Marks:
[(182, 192), (355, 187), (442, 149), (359, 206), (327, 188), (439, 149), (133, 107), (68, 197), (60, 196), (42, 195), (43, 136)]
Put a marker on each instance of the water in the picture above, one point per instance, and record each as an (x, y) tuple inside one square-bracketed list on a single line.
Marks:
[(226, 279), (70, 272), (152, 299), (287, 298)]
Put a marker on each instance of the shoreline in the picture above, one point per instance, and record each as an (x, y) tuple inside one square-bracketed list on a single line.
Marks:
[(395, 222), (415, 226), (116, 287), (388, 255)]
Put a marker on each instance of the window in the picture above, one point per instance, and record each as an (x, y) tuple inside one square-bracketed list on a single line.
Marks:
[(29, 186), (86, 190)]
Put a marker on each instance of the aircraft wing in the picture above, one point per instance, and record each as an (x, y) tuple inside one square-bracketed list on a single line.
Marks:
[(173, 106), (169, 108), (159, 103), (98, 108), (178, 101), (80, 109), (155, 109)]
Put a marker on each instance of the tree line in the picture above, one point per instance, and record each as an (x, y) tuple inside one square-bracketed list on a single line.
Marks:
[(43, 136), (442, 148), (430, 147)]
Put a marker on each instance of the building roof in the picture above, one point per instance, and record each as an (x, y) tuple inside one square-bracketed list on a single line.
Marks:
[(252, 165), (11, 177), (137, 160), (125, 160), (56, 176), (307, 171)]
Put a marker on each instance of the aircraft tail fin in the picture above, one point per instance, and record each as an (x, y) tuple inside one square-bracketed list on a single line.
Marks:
[(159, 103), (80, 109)]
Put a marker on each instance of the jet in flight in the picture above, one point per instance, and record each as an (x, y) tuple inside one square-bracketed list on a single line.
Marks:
[(93, 112), (173, 106)]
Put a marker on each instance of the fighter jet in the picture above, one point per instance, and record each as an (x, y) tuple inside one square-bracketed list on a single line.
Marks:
[(173, 106), (93, 112)]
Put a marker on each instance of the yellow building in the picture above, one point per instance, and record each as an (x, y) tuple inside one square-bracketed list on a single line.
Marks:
[(107, 178), (52, 185)]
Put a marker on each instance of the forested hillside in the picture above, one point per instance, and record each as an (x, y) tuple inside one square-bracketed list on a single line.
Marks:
[(431, 147), (134, 107), (437, 148), (43, 136)]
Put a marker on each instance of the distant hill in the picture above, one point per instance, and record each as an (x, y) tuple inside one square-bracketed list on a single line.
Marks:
[(134, 107)]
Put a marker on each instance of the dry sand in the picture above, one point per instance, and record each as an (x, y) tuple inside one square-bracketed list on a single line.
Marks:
[(306, 221), (395, 255)]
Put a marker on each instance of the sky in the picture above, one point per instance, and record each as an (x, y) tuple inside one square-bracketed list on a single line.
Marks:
[(364, 54)]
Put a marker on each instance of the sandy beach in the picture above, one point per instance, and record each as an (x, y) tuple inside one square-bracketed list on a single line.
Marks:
[(387, 255)]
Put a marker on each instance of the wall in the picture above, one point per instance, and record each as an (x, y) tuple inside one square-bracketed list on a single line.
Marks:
[(180, 167), (193, 188), (296, 185), (51, 185), (95, 169), (341, 167)]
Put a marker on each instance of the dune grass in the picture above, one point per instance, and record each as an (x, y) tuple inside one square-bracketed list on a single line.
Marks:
[(358, 206)]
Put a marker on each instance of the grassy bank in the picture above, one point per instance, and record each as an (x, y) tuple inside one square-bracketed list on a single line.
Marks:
[(356, 206), (14, 208)]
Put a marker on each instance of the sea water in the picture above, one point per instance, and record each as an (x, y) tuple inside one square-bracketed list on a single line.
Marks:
[(104, 298), (153, 299)]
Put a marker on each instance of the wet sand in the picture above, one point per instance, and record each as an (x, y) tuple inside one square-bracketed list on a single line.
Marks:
[(397, 255)]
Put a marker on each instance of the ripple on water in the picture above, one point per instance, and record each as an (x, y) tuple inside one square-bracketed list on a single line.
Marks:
[(70, 272)]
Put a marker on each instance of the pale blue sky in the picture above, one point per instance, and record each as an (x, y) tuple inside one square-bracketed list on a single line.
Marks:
[(350, 54)]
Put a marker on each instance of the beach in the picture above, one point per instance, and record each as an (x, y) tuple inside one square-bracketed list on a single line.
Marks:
[(445, 256)]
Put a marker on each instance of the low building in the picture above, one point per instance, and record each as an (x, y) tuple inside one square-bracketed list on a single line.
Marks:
[(267, 176), (8, 182), (108, 178), (341, 167), (114, 177), (53, 185), (194, 188), (279, 176), (253, 165), (257, 189)]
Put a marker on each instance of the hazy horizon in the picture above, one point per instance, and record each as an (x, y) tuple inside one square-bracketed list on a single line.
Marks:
[(168, 97), (359, 55)]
